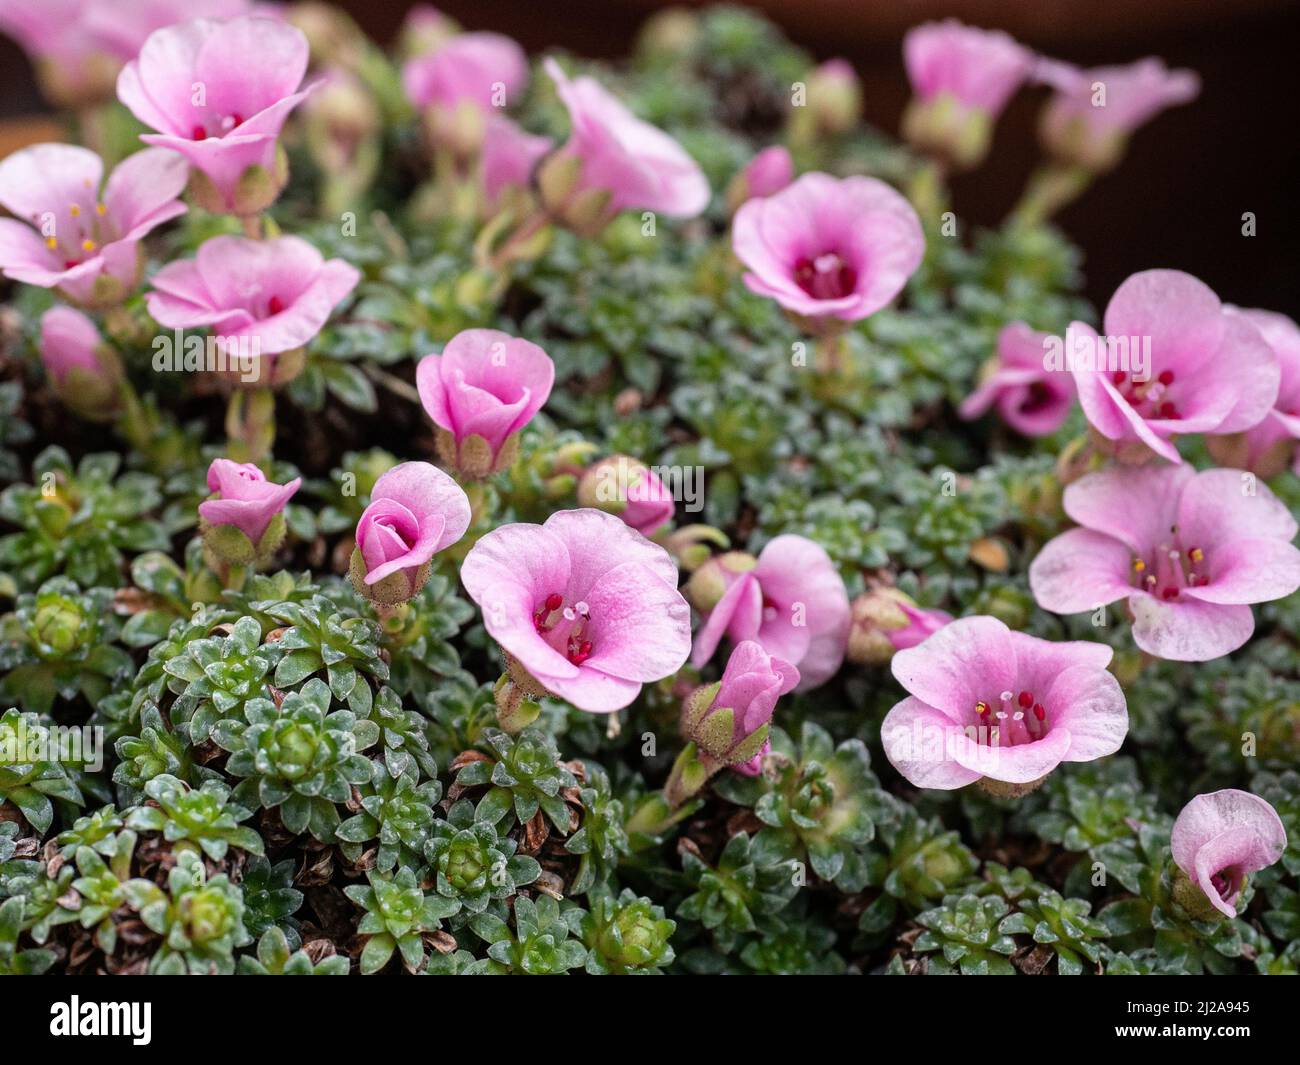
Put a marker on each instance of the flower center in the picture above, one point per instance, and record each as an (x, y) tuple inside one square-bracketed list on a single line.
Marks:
[(564, 626), (827, 277), (1151, 399), (1039, 396), (220, 126), (81, 235), (1227, 882), (1168, 570), (1014, 720)]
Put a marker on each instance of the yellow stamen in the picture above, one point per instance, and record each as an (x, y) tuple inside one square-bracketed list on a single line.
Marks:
[(1139, 565), (74, 210), (101, 209), (1196, 554), (87, 245), (981, 708), (51, 243)]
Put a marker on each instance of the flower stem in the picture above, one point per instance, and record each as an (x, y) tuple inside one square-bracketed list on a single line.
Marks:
[(252, 224), (250, 424), (1050, 188)]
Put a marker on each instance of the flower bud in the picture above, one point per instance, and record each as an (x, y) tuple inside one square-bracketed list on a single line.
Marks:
[(243, 524), (834, 97), (729, 721), (768, 172), (886, 620), (630, 490), (85, 372)]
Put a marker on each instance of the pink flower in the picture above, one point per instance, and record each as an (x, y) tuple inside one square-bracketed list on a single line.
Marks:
[(986, 702), (84, 372), (582, 605), (69, 342), (1189, 551), (72, 61), (245, 498), (1031, 399), (629, 490), (976, 69), (885, 620), (729, 721), (829, 248), (1221, 838), (71, 238), (509, 157), (275, 295), (218, 93), (480, 392), (766, 174), (1089, 119), (485, 70), (1210, 371), (1267, 447), (415, 511), (639, 165), (790, 599), (123, 28)]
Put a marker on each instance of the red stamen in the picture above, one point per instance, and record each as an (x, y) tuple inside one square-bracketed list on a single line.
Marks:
[(1026, 700), (1118, 376), (554, 601), (198, 133), (276, 305), (1039, 712), (1169, 593), (1168, 410)]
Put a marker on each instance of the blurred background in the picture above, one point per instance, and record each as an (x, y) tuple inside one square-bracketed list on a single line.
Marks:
[(1176, 201)]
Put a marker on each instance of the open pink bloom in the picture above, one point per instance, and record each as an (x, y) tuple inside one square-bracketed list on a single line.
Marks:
[(1210, 371), (1281, 426), (829, 247), (1090, 117), (984, 701), (71, 238), (415, 511), (485, 384), (791, 600), (766, 174), (1221, 838), (509, 156), (751, 684), (1031, 399), (485, 70), (639, 165), (976, 69), (277, 293), (246, 499), (123, 28), (219, 92), (1189, 551), (586, 606)]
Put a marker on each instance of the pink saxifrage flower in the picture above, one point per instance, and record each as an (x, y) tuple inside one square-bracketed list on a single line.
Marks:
[(1031, 399), (219, 92), (791, 600), (1210, 370), (123, 28), (583, 606), (1221, 838), (630, 490), (271, 295), (1268, 447), (415, 511), (639, 165), (729, 721), (825, 247), (73, 63), (509, 156), (484, 70), (1093, 112), (976, 69), (986, 702), (480, 392), (85, 373), (244, 499), (71, 237), (1189, 551), (766, 174)]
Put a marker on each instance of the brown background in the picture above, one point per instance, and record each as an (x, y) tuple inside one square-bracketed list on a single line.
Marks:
[(1177, 200)]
